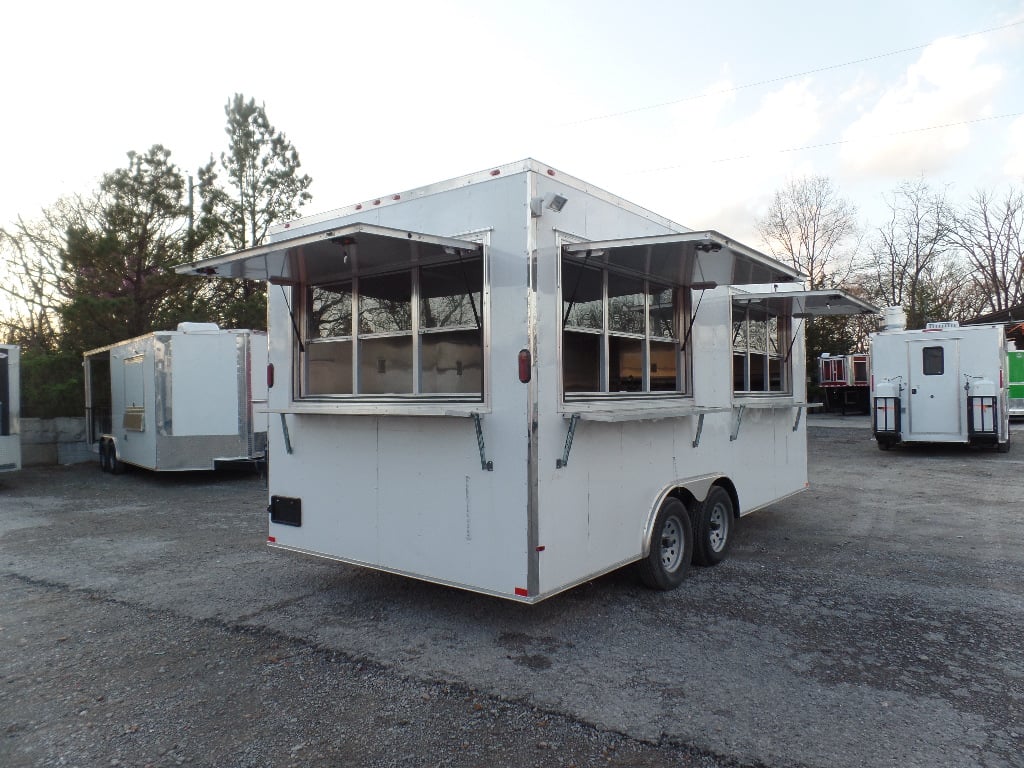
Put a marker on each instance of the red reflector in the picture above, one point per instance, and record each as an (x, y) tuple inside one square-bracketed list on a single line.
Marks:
[(270, 375), (271, 540), (376, 202), (495, 172), (540, 548), (525, 365), (550, 172), (520, 592), (359, 207), (396, 197)]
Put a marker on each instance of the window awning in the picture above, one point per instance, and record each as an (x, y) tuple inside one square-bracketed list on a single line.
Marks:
[(818, 303), (705, 259), (332, 254)]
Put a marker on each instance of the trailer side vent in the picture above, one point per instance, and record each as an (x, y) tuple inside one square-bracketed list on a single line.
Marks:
[(286, 510)]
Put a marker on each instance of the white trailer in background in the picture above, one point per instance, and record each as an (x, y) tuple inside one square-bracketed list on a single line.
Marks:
[(10, 404), (513, 382), (944, 384), (178, 400)]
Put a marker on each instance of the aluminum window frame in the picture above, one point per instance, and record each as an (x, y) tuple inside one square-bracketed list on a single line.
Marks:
[(303, 301), (784, 320), (606, 335)]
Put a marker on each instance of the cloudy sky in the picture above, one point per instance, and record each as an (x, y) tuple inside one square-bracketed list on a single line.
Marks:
[(698, 111)]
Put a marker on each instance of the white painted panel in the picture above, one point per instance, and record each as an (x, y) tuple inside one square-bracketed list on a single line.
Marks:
[(205, 384)]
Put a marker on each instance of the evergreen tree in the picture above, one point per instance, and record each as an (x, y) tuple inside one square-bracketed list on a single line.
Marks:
[(117, 274), (256, 185)]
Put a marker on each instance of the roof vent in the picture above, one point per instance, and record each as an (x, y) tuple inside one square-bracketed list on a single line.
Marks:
[(894, 319), (943, 325), (198, 327)]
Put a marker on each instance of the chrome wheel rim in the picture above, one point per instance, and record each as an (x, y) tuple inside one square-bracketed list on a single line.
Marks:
[(671, 544), (718, 527)]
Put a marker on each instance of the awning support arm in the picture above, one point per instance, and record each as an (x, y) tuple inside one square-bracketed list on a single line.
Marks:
[(689, 327), (736, 427), (564, 461), (792, 341), (487, 466), (295, 324), (287, 437), (700, 428)]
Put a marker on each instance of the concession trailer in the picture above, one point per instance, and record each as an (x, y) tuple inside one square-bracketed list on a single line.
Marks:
[(946, 383), (10, 399), (1015, 380), (513, 382), (845, 381), (178, 400)]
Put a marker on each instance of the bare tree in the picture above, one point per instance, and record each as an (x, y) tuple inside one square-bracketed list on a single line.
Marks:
[(813, 228), (910, 250), (988, 235), (31, 255)]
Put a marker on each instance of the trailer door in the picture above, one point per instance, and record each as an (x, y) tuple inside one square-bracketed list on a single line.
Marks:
[(935, 397)]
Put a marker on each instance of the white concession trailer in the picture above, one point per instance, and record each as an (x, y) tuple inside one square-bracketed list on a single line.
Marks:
[(10, 405), (946, 383), (513, 382), (178, 400)]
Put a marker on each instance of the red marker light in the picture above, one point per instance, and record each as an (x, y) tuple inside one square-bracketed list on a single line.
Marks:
[(520, 592), (525, 366), (271, 540), (270, 375), (495, 172)]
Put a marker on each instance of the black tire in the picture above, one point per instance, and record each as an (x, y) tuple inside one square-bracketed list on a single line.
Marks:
[(104, 457), (715, 519), (116, 465), (1005, 446), (668, 562), (883, 444)]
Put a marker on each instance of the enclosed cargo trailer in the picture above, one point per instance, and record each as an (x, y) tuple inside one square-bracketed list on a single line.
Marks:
[(943, 384), (512, 382), (10, 405), (178, 400)]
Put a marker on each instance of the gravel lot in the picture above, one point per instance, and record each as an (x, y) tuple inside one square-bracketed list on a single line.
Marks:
[(875, 620)]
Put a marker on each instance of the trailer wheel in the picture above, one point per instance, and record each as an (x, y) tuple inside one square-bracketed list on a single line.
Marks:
[(1004, 447), (104, 458), (714, 527), (666, 565), (116, 466), (884, 445)]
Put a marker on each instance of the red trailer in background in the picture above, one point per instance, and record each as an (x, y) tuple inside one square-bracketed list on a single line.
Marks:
[(845, 382)]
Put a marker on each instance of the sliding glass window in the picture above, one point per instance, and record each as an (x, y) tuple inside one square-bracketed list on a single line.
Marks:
[(620, 333), (417, 331)]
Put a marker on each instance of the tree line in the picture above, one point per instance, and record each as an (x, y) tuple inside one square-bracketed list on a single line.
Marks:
[(936, 260), (96, 269)]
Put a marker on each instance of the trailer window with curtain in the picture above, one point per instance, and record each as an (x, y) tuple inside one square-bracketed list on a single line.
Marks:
[(621, 332), (760, 348), (415, 331)]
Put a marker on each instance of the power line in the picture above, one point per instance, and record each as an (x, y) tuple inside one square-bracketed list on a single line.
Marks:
[(837, 142), (781, 78)]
